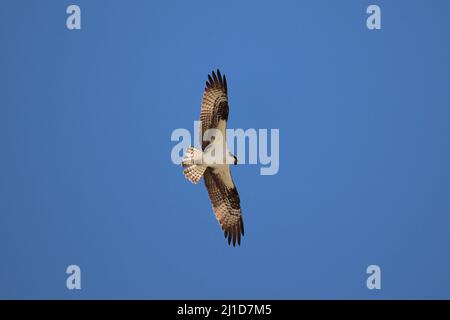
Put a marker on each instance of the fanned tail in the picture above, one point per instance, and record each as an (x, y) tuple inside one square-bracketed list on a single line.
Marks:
[(192, 163)]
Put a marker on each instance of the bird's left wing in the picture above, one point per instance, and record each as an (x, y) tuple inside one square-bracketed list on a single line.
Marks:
[(225, 202)]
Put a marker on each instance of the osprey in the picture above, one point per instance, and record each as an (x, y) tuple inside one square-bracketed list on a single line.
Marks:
[(213, 161)]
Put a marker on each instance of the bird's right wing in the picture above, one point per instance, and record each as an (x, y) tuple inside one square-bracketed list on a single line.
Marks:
[(215, 100)]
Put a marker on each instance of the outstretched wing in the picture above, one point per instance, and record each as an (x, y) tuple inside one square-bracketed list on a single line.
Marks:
[(214, 104), (225, 202)]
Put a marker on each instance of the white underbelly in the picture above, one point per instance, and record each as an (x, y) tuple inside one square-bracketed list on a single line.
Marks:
[(217, 154)]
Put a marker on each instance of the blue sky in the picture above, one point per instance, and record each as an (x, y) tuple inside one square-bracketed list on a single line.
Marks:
[(85, 170)]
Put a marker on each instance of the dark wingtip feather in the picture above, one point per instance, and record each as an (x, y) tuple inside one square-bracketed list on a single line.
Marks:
[(234, 238), (235, 233), (220, 78), (216, 81)]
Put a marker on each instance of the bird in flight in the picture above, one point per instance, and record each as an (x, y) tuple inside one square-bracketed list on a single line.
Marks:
[(213, 161)]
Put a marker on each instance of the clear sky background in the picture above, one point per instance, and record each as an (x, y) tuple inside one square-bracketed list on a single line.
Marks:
[(86, 176)]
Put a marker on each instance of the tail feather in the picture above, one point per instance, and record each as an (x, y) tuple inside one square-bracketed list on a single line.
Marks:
[(193, 168)]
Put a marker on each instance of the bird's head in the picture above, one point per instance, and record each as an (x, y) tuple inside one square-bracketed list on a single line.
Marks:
[(231, 159)]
